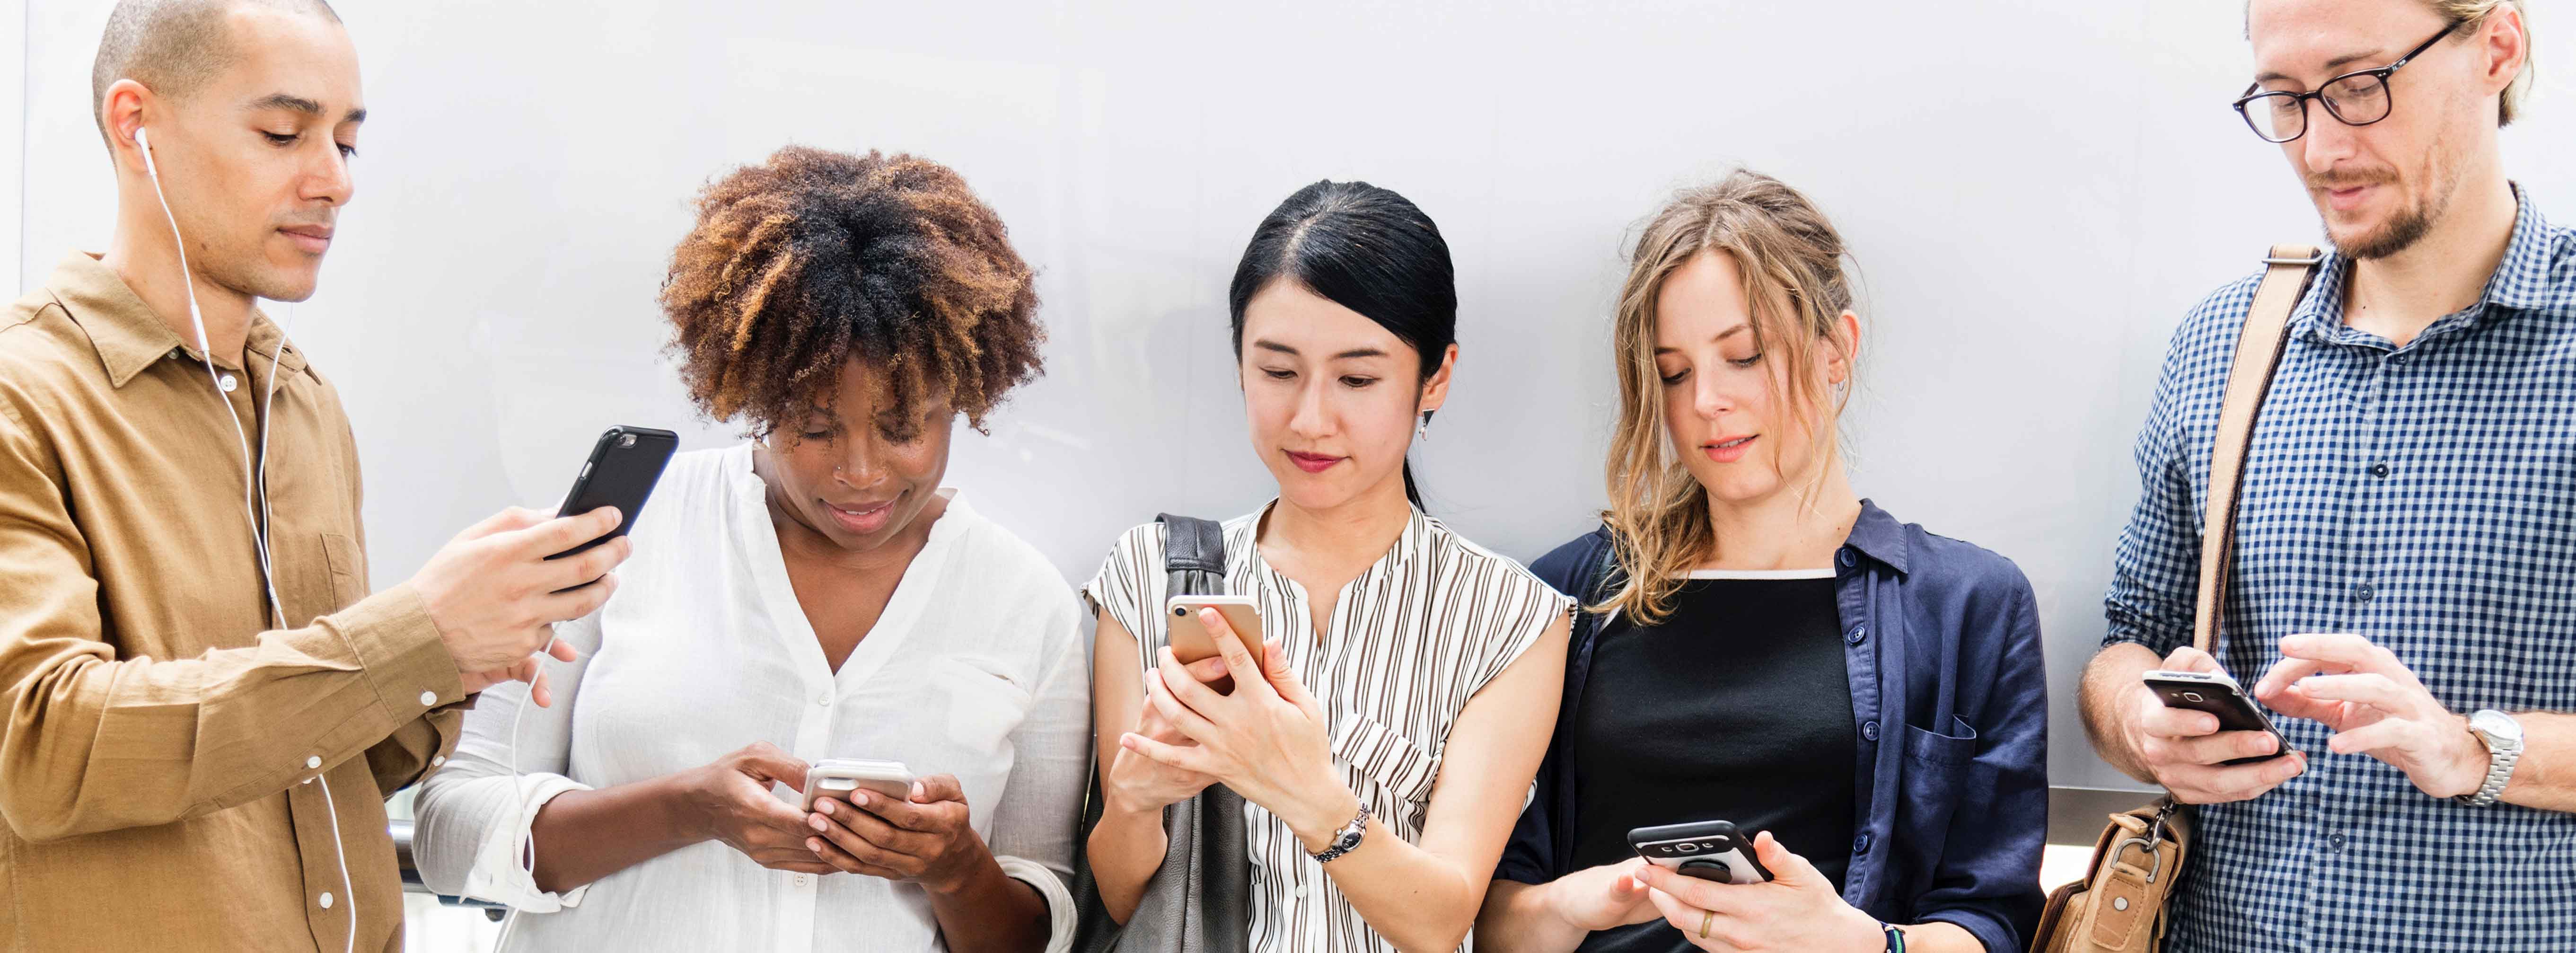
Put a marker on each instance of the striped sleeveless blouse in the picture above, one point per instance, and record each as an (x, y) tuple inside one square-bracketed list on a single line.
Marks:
[(1412, 639)]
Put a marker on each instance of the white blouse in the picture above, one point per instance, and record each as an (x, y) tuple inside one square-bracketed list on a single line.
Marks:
[(976, 668), (1412, 639)]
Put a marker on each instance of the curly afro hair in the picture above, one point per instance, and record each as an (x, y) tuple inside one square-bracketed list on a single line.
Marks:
[(813, 258)]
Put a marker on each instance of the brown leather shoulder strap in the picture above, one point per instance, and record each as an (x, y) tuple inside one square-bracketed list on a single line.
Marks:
[(2286, 276)]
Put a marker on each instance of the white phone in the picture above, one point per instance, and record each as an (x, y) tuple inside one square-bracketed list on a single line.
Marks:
[(839, 777)]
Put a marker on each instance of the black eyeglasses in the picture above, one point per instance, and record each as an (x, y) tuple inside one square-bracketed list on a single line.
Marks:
[(2354, 99)]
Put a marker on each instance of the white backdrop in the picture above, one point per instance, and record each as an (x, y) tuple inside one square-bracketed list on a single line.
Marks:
[(2035, 191)]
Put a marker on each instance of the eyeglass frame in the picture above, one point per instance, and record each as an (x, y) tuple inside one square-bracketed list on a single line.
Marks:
[(2254, 91)]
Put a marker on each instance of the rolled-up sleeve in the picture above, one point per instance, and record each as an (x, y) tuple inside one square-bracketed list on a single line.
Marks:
[(93, 742), (476, 815)]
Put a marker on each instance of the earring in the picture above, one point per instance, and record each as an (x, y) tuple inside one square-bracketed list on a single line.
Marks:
[(1422, 431)]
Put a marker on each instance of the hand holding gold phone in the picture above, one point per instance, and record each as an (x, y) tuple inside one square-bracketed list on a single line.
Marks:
[(1192, 642)]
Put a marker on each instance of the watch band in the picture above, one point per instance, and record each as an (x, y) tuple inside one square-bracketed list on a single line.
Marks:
[(1895, 938), (2500, 762), (1347, 839)]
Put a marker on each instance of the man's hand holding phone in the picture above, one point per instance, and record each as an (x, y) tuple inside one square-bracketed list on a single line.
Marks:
[(2185, 749), (494, 595)]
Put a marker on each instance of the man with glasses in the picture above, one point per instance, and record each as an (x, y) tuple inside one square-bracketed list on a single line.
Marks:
[(2404, 567)]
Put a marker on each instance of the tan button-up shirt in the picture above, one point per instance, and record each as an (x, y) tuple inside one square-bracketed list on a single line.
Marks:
[(159, 736)]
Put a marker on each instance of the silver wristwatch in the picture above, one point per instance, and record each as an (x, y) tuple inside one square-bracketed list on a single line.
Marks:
[(2503, 737), (1347, 839)]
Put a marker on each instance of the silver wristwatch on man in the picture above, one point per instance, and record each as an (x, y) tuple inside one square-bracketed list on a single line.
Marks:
[(2503, 737)]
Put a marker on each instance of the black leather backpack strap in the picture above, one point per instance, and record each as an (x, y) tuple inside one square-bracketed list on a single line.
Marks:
[(1194, 554)]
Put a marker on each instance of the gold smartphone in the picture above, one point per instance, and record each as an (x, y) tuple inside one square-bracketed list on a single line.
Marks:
[(1191, 642)]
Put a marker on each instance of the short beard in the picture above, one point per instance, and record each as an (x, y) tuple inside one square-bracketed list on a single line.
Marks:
[(2411, 223)]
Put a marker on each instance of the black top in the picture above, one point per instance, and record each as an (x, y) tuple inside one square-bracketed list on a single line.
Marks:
[(1736, 707)]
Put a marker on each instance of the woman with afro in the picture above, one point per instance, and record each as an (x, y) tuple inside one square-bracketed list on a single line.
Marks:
[(810, 593)]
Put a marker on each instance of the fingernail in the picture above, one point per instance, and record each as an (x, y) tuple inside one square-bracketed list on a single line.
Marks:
[(816, 822), (918, 792), (825, 805), (814, 844)]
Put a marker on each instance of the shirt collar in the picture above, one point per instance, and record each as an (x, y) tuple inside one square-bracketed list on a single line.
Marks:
[(2522, 280), (1419, 531), (126, 333), (1878, 536)]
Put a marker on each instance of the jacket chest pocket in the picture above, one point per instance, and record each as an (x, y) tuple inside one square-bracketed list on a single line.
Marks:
[(1385, 760)]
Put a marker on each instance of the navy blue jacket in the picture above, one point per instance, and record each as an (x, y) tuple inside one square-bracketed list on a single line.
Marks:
[(1941, 639)]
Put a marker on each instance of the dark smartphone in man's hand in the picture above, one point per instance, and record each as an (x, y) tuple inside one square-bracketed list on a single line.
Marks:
[(2217, 694), (621, 472)]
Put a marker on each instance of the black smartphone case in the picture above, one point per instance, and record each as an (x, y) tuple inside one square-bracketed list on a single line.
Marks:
[(621, 472), (2235, 712)]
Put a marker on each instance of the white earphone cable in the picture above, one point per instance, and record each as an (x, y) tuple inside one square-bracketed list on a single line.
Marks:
[(255, 493)]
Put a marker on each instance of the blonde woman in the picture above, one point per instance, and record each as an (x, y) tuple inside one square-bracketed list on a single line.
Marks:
[(1761, 646)]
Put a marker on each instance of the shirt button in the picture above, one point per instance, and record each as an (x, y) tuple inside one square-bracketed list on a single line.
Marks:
[(801, 879), (2379, 470), (313, 761), (227, 383), (439, 761), (1858, 633), (2363, 592), (326, 900), (2336, 842), (1860, 845), (825, 701), (1869, 730), (1298, 890), (1844, 557), (2397, 359), (429, 698)]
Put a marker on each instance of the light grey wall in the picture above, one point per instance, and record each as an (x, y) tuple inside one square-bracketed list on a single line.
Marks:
[(2035, 191)]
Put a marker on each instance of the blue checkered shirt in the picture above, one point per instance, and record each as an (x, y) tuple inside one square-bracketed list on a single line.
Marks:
[(2425, 497)]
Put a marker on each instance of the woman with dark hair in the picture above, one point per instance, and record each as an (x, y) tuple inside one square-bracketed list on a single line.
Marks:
[(1408, 678), (811, 593)]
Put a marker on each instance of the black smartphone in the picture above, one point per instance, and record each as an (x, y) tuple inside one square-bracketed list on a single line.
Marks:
[(621, 472), (2217, 694), (1708, 850)]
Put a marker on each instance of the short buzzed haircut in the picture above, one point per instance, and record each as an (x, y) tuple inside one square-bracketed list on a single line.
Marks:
[(172, 46)]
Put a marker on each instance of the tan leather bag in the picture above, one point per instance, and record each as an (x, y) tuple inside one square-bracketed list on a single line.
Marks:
[(2120, 905)]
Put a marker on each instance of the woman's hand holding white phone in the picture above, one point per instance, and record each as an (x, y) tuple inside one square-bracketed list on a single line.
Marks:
[(918, 833), (732, 802)]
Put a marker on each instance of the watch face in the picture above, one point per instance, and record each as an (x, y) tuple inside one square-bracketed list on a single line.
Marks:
[(2497, 725)]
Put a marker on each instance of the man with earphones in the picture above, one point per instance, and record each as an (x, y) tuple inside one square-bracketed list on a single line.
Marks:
[(202, 705)]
